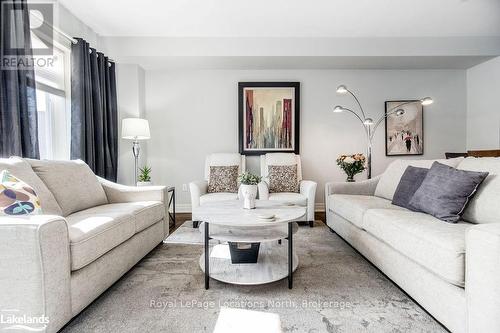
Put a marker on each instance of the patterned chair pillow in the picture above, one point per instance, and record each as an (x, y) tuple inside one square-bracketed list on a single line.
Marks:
[(223, 179), (283, 178), (17, 197)]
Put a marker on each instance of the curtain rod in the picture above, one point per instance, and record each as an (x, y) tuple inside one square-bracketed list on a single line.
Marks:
[(59, 31)]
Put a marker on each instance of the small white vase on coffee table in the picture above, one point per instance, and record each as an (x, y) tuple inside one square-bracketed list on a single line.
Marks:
[(249, 193)]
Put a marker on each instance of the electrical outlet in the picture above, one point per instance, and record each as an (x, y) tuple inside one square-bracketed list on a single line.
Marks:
[(184, 187)]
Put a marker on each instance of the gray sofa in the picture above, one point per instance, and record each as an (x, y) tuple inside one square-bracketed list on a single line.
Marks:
[(92, 232), (452, 270)]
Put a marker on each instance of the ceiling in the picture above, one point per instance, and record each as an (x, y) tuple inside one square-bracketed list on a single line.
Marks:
[(289, 18)]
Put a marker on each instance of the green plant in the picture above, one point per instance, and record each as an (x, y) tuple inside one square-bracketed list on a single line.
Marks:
[(145, 174), (247, 178), (352, 164)]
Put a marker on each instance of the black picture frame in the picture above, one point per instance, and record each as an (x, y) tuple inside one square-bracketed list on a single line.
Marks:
[(421, 144), (241, 117)]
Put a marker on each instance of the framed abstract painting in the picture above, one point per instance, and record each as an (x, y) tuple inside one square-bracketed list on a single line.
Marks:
[(268, 117), (404, 129)]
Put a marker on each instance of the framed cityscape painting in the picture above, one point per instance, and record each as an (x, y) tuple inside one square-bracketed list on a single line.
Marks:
[(404, 129), (268, 117)]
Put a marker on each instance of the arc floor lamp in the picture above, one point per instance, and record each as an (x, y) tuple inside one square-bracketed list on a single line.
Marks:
[(368, 124)]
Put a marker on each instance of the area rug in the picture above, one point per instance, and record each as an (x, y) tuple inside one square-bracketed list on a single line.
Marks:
[(335, 290), (188, 235)]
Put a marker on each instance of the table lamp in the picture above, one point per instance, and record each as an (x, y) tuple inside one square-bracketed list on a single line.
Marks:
[(135, 129)]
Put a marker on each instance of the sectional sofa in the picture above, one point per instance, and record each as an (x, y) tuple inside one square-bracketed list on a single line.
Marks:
[(452, 270), (92, 231)]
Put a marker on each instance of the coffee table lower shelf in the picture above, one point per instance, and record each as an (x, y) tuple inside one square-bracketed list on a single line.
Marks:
[(272, 265)]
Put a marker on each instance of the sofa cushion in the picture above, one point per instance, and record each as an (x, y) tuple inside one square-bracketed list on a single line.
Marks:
[(353, 207), (484, 206), (289, 197), (445, 191), (146, 213), (213, 197), (95, 231), (389, 180), (23, 171), (436, 245), (73, 184)]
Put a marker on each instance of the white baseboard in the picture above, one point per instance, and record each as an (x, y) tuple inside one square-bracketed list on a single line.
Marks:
[(319, 207), (186, 208)]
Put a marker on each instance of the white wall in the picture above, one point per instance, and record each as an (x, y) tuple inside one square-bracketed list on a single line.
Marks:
[(276, 53), (131, 100), (194, 113), (483, 105), (74, 27)]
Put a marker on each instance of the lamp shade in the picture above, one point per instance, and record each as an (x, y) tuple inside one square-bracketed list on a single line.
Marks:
[(135, 129), (341, 89), (426, 101), (338, 109)]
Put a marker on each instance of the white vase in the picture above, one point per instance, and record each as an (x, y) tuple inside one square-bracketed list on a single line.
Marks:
[(144, 183), (249, 193)]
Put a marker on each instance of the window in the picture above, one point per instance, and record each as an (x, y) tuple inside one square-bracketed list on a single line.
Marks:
[(54, 104)]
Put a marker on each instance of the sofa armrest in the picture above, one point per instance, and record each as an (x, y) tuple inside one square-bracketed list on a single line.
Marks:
[(35, 269), (263, 190), (197, 189), (482, 288), (308, 189), (118, 193), (366, 187)]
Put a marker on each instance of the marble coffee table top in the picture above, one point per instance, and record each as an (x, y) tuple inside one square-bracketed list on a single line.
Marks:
[(231, 213)]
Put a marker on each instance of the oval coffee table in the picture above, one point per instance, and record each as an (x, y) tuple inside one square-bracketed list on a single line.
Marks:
[(227, 221)]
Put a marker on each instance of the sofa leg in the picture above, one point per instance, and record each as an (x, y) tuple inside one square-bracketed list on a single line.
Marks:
[(311, 224), (196, 224)]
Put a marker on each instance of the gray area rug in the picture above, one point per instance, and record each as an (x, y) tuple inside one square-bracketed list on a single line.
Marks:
[(335, 290), (187, 235)]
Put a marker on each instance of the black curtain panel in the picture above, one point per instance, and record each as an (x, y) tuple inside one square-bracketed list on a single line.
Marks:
[(94, 118), (18, 115)]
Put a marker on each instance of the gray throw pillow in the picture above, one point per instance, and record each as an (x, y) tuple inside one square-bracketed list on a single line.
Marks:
[(410, 182), (445, 191)]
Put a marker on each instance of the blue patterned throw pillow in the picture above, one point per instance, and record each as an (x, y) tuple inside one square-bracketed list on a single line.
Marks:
[(17, 197)]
